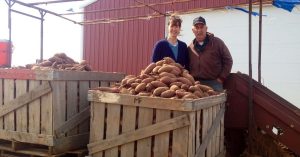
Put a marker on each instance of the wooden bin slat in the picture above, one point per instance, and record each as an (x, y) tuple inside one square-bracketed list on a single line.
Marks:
[(97, 123), (128, 125), (21, 114), (48, 109), (1, 101), (72, 104), (141, 133), (161, 144), (73, 122), (180, 139), (26, 137), (149, 132), (46, 112), (24, 99), (112, 123), (34, 109), (152, 102), (211, 131), (144, 119), (83, 103), (8, 96)]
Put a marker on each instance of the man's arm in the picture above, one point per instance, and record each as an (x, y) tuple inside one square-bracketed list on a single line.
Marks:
[(226, 62)]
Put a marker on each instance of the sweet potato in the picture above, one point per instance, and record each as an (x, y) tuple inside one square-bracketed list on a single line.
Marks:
[(167, 80), (160, 63), (109, 89), (167, 94), (168, 60), (204, 88), (158, 84), (159, 90), (185, 81), (147, 80), (190, 96), (140, 87), (189, 77), (174, 87), (149, 68), (167, 74), (165, 68), (176, 83)]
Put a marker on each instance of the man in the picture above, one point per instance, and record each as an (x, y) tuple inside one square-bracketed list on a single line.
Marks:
[(210, 59)]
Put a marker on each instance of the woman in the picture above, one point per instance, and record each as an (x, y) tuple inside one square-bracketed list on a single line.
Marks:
[(171, 46)]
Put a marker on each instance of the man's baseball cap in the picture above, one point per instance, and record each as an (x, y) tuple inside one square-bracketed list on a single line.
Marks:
[(198, 20)]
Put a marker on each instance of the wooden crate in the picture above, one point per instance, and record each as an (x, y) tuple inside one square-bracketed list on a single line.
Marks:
[(47, 109), (136, 126)]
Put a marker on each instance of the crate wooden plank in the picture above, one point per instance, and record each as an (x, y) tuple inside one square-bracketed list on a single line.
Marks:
[(204, 127), (222, 133), (148, 102), (198, 128), (46, 112), (213, 140), (128, 125), (192, 135), (34, 110), (21, 113), (161, 144), (208, 102), (154, 102), (217, 135), (9, 119), (209, 121), (26, 74), (65, 144), (211, 131), (27, 137), (104, 84), (59, 103), (180, 139), (144, 119), (83, 103), (73, 122), (24, 99), (94, 84), (72, 103), (77, 75), (141, 133), (113, 125), (97, 124), (1, 101)]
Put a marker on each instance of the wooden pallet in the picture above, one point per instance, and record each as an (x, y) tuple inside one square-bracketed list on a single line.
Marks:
[(48, 108), (130, 126)]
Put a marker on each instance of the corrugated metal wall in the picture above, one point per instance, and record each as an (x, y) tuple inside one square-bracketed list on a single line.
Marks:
[(127, 46)]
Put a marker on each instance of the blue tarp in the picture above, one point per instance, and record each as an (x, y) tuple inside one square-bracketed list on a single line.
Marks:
[(243, 10), (286, 4)]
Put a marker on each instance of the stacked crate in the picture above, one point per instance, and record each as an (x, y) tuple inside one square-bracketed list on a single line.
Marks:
[(129, 126), (46, 112)]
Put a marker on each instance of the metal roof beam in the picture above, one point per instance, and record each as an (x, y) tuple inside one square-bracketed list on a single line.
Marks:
[(15, 11), (44, 10), (51, 2)]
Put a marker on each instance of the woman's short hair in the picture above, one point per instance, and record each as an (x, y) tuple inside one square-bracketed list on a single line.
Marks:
[(175, 21)]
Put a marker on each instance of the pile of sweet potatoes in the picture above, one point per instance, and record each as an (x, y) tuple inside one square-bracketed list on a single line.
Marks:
[(165, 79), (60, 61)]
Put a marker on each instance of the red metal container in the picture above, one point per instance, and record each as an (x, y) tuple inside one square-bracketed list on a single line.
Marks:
[(5, 55)]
